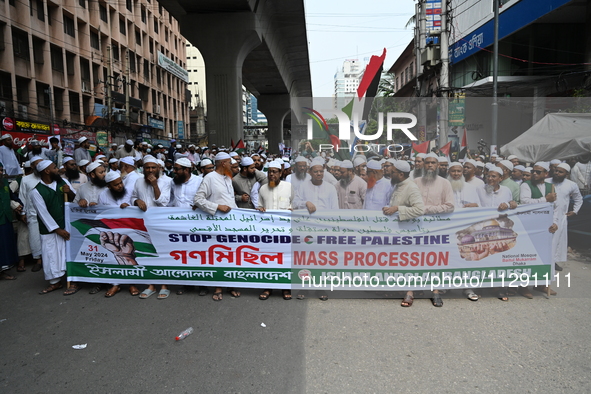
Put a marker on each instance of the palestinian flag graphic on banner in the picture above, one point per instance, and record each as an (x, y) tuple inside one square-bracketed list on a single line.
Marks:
[(133, 228)]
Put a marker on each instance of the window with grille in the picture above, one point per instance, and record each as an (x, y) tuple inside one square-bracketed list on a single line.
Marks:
[(94, 40), (69, 26), (122, 27), (103, 12)]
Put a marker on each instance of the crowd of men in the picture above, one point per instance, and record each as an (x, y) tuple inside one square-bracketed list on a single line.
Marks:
[(32, 221)]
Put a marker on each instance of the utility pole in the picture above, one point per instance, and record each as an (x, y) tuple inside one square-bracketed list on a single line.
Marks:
[(51, 114), (444, 77), (126, 87), (108, 86), (420, 44), (495, 104)]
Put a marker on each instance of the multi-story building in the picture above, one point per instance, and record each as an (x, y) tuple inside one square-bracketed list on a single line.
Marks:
[(68, 63), (346, 81), (196, 70)]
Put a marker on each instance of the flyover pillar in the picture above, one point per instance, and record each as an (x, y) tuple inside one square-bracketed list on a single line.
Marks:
[(275, 107), (224, 40)]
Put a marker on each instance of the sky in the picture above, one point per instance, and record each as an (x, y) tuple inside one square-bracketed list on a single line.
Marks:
[(346, 29)]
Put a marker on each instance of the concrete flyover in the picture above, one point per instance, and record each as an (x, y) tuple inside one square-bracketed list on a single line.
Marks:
[(261, 44)]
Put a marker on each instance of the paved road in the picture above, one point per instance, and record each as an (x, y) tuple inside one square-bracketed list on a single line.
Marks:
[(339, 346)]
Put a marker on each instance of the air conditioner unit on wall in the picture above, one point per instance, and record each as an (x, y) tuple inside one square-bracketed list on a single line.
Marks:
[(156, 109), (85, 87), (22, 110)]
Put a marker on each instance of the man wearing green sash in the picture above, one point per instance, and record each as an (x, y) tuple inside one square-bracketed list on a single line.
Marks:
[(49, 197), (507, 168), (536, 191), (8, 250)]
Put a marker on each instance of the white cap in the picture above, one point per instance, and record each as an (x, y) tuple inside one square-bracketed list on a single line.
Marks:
[(300, 159), (43, 165), (511, 157), (374, 165), (274, 165), (470, 161), (564, 166), (232, 161), (455, 163), (93, 166), (111, 176), (183, 161), (489, 166), (346, 164), (234, 154), (66, 159), (27, 164), (494, 155), (402, 166), (246, 161), (519, 167), (128, 160), (35, 158), (507, 164), (114, 144), (129, 142), (359, 160), (222, 156), (113, 160), (555, 162), (178, 146), (318, 161), (205, 162), (479, 163), (393, 161), (143, 143), (496, 169), (82, 139), (5, 136), (287, 165), (544, 164), (83, 162), (527, 169), (442, 159), (161, 163), (150, 159), (433, 155), (421, 155)]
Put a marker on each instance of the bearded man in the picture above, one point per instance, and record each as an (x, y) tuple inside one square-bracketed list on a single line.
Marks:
[(378, 187), (418, 170), (244, 181), (8, 158), (88, 194), (465, 195), (351, 189), (443, 166), (126, 150), (73, 174)]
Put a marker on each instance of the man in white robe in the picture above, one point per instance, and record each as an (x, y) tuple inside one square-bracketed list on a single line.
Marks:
[(28, 183), (470, 168), (565, 191), (216, 193), (316, 194), (88, 194), (52, 224), (128, 172), (184, 185), (378, 187), (465, 195)]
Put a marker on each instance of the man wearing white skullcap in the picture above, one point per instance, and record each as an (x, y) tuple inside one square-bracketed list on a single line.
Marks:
[(73, 174), (566, 190), (379, 188), (206, 166), (316, 194), (443, 165), (514, 160), (436, 191), (470, 168), (48, 198), (216, 193), (351, 189), (464, 193), (418, 170), (8, 157), (81, 153), (300, 174), (507, 168), (129, 173), (126, 150), (184, 184), (244, 181), (114, 165), (406, 200), (360, 164), (526, 175), (88, 194), (492, 195), (28, 183), (517, 174)]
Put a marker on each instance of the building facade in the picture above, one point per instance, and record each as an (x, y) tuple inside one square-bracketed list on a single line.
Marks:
[(68, 63), (346, 81)]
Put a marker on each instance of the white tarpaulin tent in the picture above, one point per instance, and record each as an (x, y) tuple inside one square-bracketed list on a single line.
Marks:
[(555, 136)]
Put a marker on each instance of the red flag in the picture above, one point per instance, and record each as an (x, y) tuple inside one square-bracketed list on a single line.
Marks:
[(420, 148), (445, 149), (232, 143), (463, 146)]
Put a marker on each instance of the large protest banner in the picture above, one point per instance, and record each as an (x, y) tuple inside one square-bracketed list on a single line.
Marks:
[(345, 249)]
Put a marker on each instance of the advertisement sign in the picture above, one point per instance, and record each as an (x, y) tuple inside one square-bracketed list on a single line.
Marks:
[(155, 123), (173, 68), (180, 129)]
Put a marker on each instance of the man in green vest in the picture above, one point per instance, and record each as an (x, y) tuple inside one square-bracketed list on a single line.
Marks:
[(507, 168), (536, 191), (49, 197), (8, 250)]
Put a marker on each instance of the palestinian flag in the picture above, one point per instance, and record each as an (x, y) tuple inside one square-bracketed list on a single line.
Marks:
[(239, 148), (463, 147), (420, 148), (133, 228), (232, 143), (445, 149)]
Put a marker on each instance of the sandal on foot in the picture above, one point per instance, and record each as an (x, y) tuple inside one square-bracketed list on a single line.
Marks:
[(323, 298), (436, 300), (181, 291), (96, 289), (407, 301), (544, 289), (265, 295), (7, 276), (164, 293), (503, 296), (37, 267), (203, 290), (133, 291), (234, 293), (526, 293), (217, 296), (110, 293), (471, 295), (287, 295), (73, 289), (146, 293), (300, 296), (20, 268), (51, 288)]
